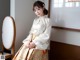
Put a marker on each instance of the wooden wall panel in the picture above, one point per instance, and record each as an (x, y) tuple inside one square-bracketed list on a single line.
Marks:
[(62, 51)]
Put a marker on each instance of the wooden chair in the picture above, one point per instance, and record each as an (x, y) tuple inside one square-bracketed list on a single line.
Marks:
[(8, 37)]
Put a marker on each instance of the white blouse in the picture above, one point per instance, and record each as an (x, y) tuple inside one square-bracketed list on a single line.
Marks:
[(41, 28)]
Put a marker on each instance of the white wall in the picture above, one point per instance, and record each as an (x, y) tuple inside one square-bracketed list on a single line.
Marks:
[(12, 8), (46, 4), (23, 15), (65, 36), (66, 16)]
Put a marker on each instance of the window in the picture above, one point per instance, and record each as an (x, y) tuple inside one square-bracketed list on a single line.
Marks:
[(58, 3), (66, 3), (77, 4)]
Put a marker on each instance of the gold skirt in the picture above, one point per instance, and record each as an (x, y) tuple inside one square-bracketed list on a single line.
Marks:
[(30, 54)]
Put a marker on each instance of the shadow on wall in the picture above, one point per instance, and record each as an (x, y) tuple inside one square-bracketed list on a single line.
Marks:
[(1, 20)]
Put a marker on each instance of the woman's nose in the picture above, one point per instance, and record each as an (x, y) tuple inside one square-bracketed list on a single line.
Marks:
[(36, 11)]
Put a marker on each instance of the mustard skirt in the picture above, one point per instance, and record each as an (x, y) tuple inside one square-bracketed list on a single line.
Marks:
[(30, 54)]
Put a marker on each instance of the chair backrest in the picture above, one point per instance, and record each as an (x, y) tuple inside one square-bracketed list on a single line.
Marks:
[(8, 32)]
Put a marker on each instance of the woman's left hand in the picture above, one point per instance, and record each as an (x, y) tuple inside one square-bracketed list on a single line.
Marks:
[(32, 45)]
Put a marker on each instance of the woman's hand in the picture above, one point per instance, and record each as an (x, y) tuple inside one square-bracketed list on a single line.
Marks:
[(27, 44), (31, 45)]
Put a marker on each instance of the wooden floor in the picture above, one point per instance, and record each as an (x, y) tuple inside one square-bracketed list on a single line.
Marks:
[(61, 51)]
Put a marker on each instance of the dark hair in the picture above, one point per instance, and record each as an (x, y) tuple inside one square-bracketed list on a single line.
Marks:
[(40, 4)]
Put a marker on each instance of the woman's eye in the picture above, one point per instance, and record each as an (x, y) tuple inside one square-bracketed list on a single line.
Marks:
[(38, 9)]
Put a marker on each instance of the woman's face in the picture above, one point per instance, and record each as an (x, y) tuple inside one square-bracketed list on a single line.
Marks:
[(38, 11)]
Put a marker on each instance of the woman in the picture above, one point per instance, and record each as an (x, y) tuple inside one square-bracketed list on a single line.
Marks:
[(35, 46)]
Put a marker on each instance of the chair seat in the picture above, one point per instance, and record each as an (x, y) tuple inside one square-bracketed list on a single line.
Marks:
[(0, 52), (7, 55)]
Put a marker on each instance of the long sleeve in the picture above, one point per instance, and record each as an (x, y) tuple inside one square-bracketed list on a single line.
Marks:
[(42, 40), (27, 39)]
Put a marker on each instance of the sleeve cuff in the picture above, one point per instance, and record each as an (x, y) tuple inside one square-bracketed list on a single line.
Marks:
[(38, 45), (25, 41)]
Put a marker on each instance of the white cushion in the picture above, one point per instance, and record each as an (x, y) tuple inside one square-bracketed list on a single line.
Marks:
[(7, 32)]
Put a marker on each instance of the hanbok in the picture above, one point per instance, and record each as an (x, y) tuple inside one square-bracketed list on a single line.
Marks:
[(40, 35)]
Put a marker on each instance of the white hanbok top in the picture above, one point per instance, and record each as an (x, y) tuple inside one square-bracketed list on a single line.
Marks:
[(41, 28)]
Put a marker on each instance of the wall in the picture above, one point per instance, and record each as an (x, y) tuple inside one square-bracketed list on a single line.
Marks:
[(66, 16), (12, 8), (4, 11), (65, 36), (24, 16), (62, 51)]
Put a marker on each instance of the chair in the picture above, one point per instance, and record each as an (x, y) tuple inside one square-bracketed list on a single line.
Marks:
[(8, 37)]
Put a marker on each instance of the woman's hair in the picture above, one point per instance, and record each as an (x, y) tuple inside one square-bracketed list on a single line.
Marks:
[(40, 4)]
